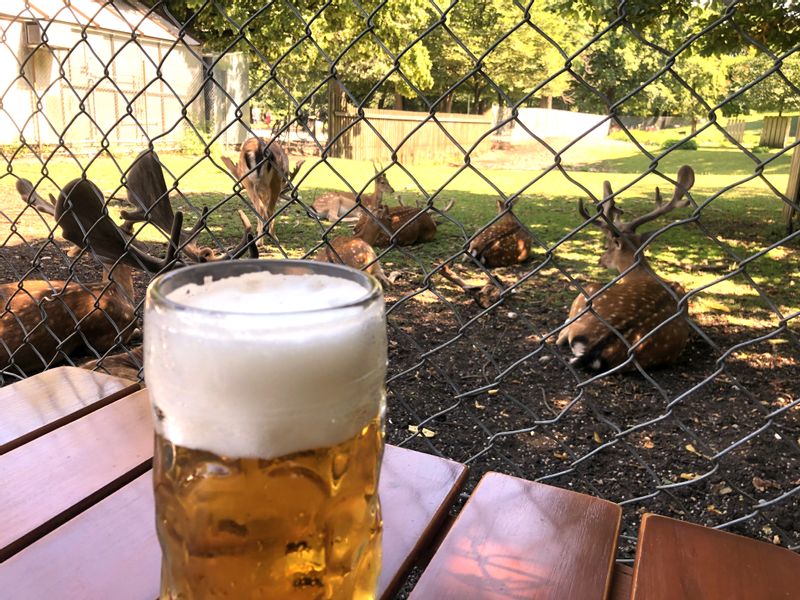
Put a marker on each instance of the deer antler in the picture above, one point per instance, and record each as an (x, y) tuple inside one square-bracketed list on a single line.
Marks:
[(81, 212), (679, 200), (247, 239), (31, 198), (448, 206), (147, 191), (611, 214), (290, 176)]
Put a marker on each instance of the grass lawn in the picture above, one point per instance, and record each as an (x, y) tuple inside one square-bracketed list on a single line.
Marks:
[(732, 226)]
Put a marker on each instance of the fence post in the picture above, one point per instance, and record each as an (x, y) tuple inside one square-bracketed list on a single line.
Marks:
[(793, 189)]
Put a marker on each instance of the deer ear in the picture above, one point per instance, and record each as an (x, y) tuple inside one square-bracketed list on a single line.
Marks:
[(617, 242)]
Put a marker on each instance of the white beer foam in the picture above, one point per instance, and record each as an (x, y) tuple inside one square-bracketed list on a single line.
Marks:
[(234, 381)]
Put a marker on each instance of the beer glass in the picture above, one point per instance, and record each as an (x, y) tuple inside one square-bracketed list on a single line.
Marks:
[(267, 386)]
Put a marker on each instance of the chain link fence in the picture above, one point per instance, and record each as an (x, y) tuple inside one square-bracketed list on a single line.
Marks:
[(475, 371)]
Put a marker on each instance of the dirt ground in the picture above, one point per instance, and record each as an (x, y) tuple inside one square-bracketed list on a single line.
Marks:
[(705, 441)]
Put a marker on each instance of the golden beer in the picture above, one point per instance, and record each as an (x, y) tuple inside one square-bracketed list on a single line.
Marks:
[(268, 448)]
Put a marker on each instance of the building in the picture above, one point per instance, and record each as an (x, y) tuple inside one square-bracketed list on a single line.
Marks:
[(91, 72)]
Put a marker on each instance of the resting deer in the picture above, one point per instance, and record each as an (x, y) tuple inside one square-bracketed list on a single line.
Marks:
[(43, 322), (263, 170), (408, 226), (637, 303), (504, 243), (334, 205), (357, 250)]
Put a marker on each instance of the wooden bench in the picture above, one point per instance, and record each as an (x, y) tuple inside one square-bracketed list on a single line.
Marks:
[(78, 518), (682, 561), (519, 539)]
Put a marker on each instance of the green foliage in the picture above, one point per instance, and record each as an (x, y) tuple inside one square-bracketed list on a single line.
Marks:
[(680, 144), (772, 23)]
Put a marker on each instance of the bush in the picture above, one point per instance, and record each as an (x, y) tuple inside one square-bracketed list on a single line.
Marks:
[(690, 144)]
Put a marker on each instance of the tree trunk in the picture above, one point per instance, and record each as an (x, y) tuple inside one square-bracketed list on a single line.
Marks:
[(694, 125), (546, 102), (448, 102), (398, 101)]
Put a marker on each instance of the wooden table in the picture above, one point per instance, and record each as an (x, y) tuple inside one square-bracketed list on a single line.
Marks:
[(78, 522)]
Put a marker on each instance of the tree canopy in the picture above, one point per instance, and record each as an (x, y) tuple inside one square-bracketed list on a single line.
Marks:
[(466, 55)]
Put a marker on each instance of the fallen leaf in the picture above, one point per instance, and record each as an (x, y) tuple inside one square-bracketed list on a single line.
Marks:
[(428, 433), (598, 438), (561, 455), (776, 539), (713, 509), (648, 443), (726, 490), (689, 476), (479, 406), (493, 392), (691, 449)]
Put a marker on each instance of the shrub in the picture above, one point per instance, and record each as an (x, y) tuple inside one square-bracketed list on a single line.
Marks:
[(690, 144)]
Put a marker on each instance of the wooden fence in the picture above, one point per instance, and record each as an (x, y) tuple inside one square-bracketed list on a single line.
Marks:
[(773, 133), (415, 136), (735, 128)]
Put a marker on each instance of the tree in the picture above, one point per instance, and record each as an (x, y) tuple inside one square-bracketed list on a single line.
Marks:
[(769, 94), (285, 60), (771, 23)]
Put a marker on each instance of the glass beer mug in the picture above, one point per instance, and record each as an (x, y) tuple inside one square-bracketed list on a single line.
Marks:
[(267, 386)]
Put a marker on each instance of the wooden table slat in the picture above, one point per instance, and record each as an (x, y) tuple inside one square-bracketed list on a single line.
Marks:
[(676, 560), (111, 550), (50, 479), (36, 405), (621, 583), (517, 539)]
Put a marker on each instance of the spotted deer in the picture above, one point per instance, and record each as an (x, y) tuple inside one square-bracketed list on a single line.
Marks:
[(484, 295), (263, 170), (407, 225), (43, 322), (335, 205), (504, 243), (357, 250), (639, 305)]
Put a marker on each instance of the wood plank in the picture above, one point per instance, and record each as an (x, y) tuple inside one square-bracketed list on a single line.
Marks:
[(682, 561), (31, 407), (47, 481), (621, 583), (111, 550), (517, 539), (416, 492)]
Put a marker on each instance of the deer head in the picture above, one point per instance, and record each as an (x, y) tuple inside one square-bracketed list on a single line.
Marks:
[(622, 239)]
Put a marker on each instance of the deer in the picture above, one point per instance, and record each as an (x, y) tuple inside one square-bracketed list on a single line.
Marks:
[(335, 205), (263, 170), (357, 250), (44, 322), (504, 243), (407, 225), (147, 192), (638, 304)]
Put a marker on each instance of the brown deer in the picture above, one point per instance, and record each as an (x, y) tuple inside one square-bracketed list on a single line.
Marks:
[(263, 170), (334, 205), (44, 322), (637, 305), (406, 224), (147, 192), (357, 250), (504, 243)]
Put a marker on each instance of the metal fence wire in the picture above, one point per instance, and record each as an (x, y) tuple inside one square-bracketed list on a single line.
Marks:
[(475, 372)]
